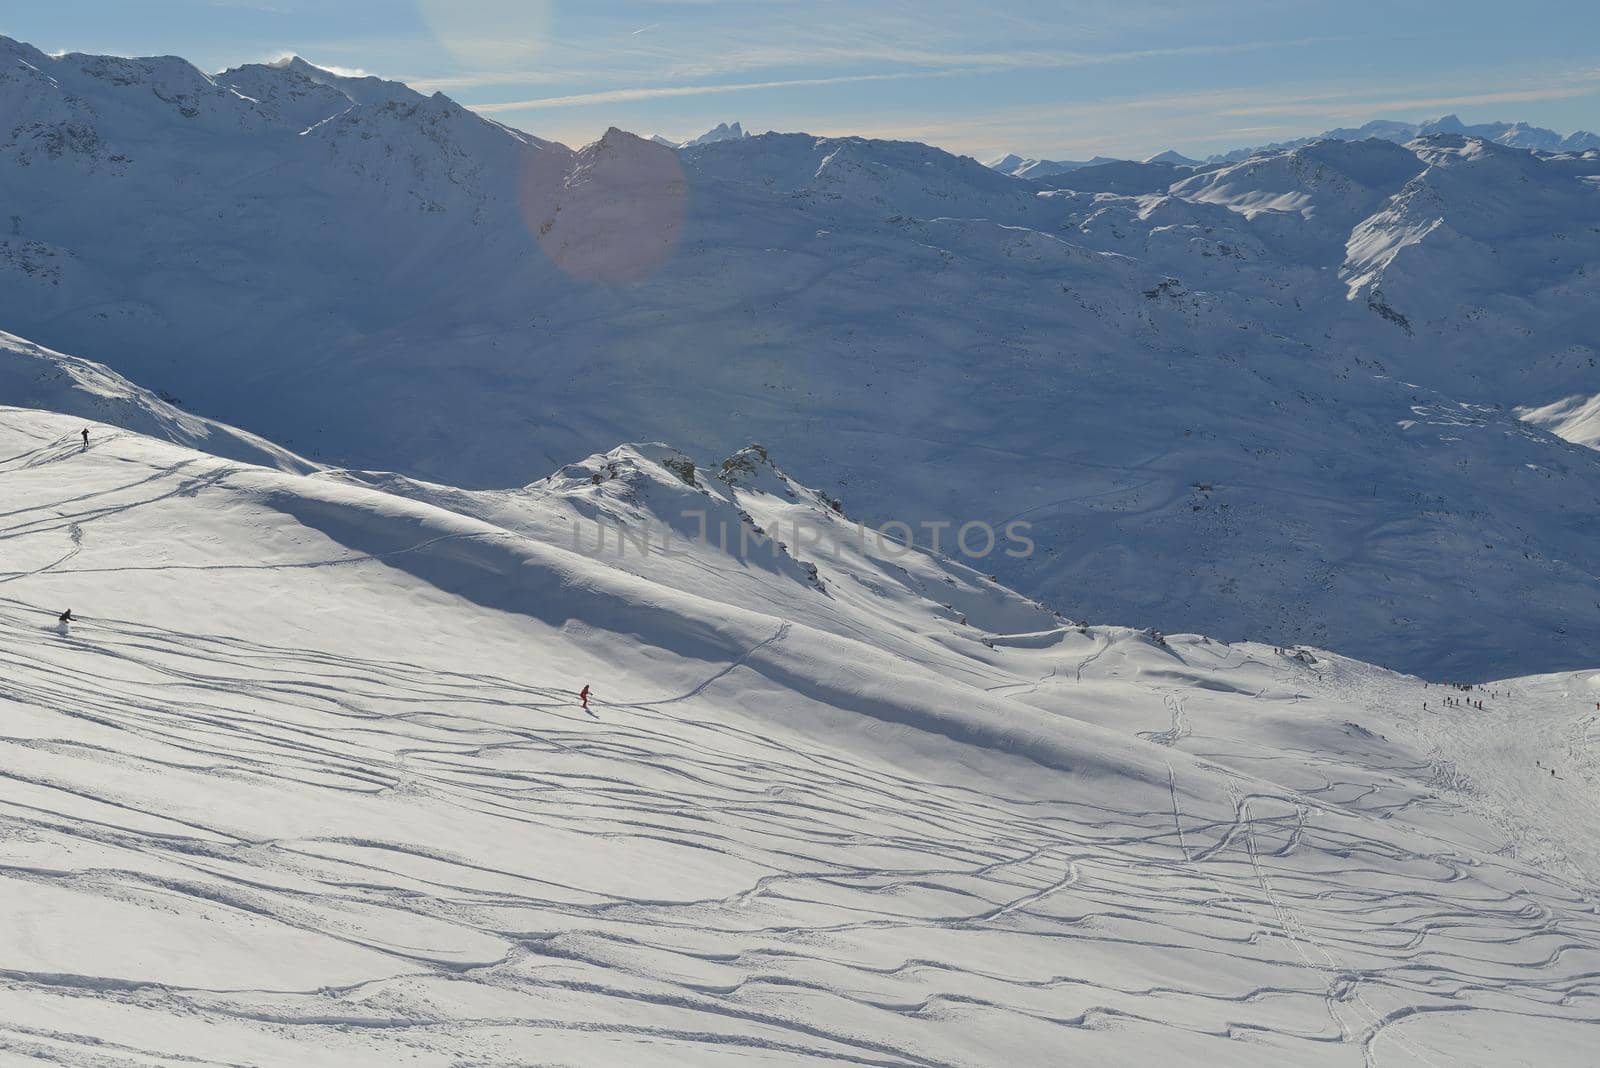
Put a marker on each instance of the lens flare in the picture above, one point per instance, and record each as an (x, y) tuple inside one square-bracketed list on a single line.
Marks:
[(489, 34), (613, 212)]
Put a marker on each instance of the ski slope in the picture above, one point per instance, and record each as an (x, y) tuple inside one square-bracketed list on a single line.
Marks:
[(307, 783), (36, 377)]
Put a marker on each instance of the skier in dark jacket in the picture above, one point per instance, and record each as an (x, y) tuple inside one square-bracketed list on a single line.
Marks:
[(66, 617), (86, 437)]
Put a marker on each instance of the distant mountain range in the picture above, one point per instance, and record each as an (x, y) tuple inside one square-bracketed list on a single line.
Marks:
[(721, 132), (1510, 134)]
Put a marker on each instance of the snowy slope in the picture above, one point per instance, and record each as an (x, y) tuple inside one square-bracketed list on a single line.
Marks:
[(307, 783), (1574, 418), (36, 377), (1336, 339), (1490, 252)]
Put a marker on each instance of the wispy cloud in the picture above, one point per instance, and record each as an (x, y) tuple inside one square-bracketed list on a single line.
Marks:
[(1589, 86), (977, 61), (486, 79), (614, 96), (931, 65)]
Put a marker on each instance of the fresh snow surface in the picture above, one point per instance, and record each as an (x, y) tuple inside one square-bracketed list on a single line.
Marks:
[(307, 783), (35, 377)]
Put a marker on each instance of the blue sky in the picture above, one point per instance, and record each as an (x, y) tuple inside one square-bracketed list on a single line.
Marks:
[(1060, 80)]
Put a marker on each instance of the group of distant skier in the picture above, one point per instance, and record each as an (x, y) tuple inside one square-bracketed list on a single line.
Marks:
[(1477, 703), (583, 695), (1466, 702), (67, 617)]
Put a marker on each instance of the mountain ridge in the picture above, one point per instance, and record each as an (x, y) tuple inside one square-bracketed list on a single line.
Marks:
[(1510, 134)]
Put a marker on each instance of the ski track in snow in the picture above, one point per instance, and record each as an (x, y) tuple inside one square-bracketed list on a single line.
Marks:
[(871, 914)]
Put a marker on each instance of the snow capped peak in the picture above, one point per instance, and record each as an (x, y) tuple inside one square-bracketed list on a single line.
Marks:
[(613, 212), (615, 137), (904, 179), (10, 46), (1337, 182), (751, 468), (721, 132), (1512, 134), (629, 466), (623, 160), (1174, 157), (1445, 124), (290, 75), (1018, 167)]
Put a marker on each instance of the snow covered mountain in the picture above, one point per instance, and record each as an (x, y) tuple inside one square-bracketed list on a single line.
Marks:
[(1018, 167), (720, 132), (1510, 134), (1277, 399), (1124, 177), (306, 781)]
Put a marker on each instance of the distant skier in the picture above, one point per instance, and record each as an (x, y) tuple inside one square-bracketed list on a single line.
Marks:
[(583, 698), (66, 617), (86, 437)]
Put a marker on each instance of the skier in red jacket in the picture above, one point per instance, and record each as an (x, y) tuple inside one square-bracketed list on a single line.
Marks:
[(583, 697)]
